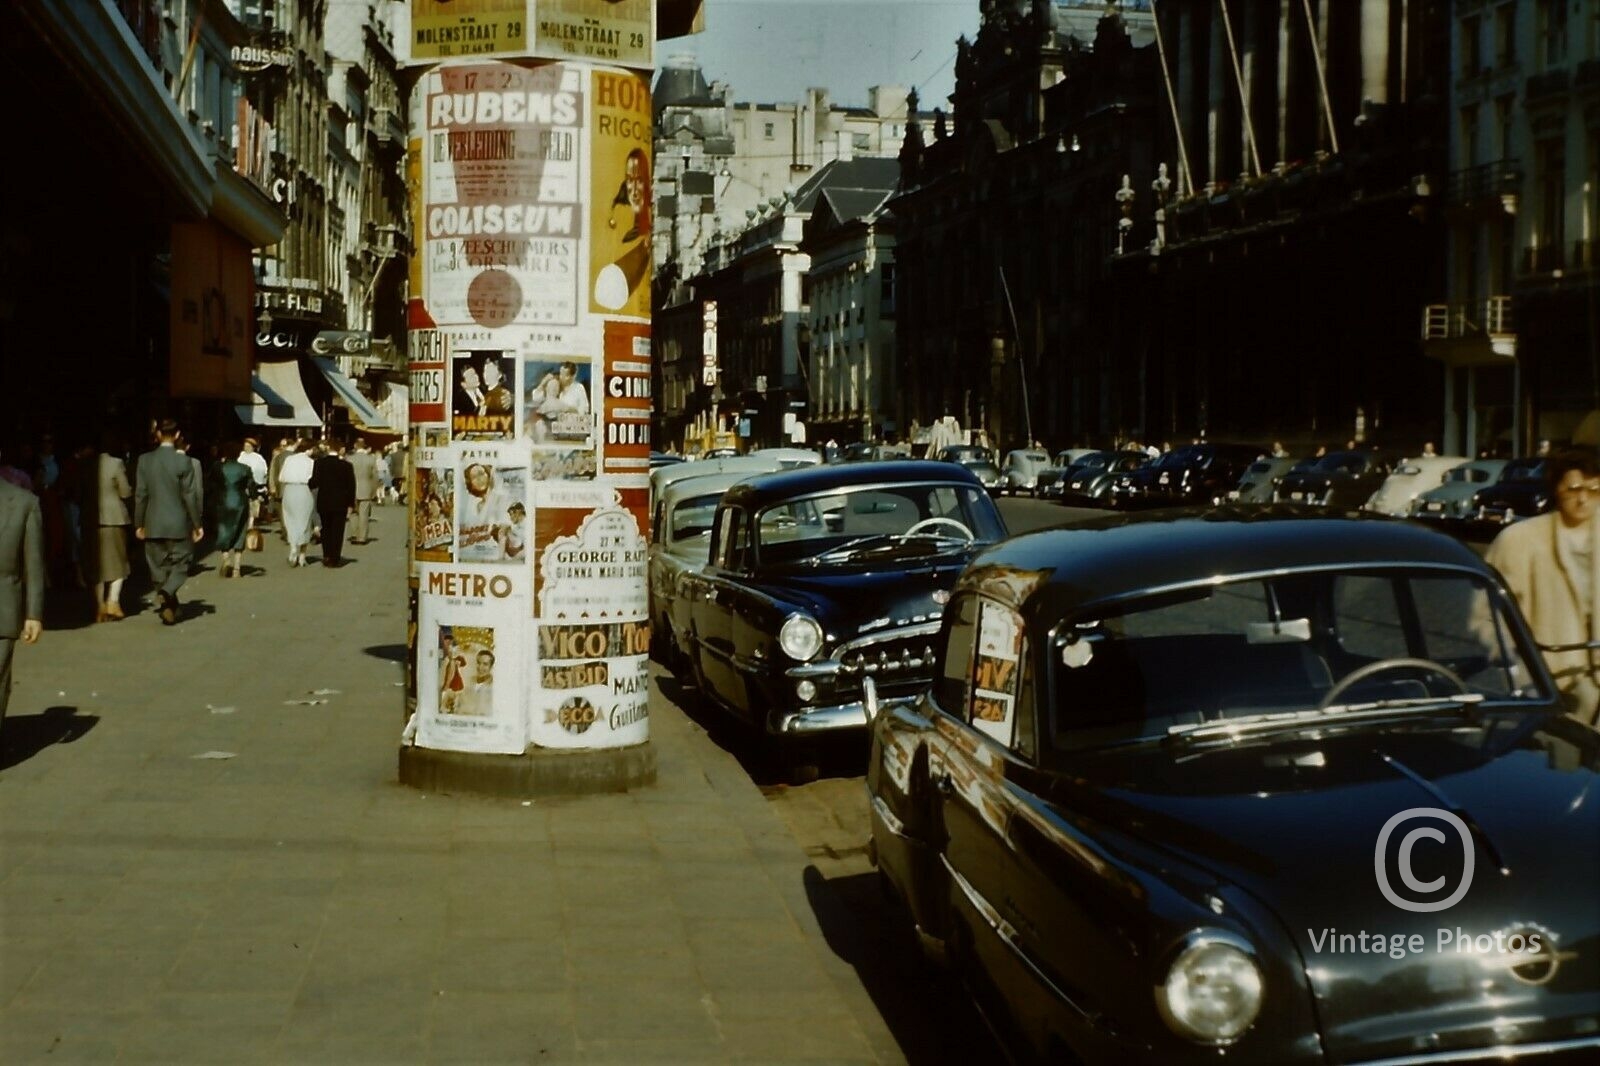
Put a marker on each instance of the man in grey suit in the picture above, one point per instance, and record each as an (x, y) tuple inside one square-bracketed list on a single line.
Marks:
[(365, 465), (166, 516), (21, 577)]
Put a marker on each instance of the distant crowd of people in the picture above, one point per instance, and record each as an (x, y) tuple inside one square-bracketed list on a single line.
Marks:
[(102, 510)]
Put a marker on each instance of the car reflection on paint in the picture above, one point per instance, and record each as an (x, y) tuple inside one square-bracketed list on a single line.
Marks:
[(1138, 808), (819, 578)]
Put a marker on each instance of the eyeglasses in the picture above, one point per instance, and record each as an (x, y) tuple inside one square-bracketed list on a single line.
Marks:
[(1589, 488)]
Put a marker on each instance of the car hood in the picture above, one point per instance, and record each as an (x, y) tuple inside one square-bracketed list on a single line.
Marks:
[(1296, 825), (851, 601)]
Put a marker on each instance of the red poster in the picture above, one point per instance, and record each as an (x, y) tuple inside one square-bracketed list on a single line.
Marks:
[(626, 435)]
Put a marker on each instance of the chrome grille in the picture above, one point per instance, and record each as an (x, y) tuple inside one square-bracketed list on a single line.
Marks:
[(894, 655)]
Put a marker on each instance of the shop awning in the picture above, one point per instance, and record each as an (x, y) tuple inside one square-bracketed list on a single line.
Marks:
[(280, 397), (361, 409)]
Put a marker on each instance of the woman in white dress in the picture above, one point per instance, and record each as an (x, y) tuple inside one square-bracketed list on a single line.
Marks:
[(294, 478)]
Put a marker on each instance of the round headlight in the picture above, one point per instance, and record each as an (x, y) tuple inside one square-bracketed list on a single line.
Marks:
[(1212, 992), (800, 638)]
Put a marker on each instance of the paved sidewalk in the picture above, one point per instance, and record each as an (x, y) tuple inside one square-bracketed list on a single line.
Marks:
[(291, 902)]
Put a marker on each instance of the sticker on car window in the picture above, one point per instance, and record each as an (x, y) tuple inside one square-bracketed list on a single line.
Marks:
[(998, 670)]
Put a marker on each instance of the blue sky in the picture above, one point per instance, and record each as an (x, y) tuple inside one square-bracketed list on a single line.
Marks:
[(771, 51)]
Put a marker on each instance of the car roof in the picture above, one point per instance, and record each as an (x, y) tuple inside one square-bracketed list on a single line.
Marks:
[(1055, 572), (685, 488), (662, 476), (788, 453), (809, 480)]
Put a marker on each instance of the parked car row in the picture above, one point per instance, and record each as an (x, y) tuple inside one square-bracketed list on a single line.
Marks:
[(1127, 778)]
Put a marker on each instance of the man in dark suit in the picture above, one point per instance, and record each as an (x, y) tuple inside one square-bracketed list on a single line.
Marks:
[(334, 482), (166, 516), (21, 578)]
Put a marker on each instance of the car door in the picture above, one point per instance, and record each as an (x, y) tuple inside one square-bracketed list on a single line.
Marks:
[(715, 596), (967, 767)]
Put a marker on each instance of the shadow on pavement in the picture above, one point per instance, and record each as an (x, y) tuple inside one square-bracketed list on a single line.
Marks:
[(758, 755), (25, 735), (927, 1010), (395, 653)]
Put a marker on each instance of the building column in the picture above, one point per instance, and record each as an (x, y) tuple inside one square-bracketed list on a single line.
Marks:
[(1286, 64), (1216, 98), (1452, 424), (1247, 31), (1375, 51), (1188, 100)]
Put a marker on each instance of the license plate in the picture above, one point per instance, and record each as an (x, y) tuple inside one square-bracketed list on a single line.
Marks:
[(1435, 506), (1233, 494), (1297, 495), (1165, 478)]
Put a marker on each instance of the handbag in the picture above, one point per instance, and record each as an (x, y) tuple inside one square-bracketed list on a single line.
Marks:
[(252, 540)]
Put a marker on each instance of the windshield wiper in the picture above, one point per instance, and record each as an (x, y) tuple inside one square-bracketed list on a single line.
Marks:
[(849, 547), (1338, 714)]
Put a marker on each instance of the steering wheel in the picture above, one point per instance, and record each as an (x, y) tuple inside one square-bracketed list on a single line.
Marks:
[(1383, 665), (938, 520)]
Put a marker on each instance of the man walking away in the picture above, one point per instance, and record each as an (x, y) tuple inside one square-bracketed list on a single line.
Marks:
[(334, 482), (166, 516), (365, 465), (21, 578), (252, 458)]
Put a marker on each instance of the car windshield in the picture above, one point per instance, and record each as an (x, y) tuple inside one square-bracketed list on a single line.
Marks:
[(918, 517), (1473, 474), (1285, 643), (693, 517), (1523, 471), (1351, 461)]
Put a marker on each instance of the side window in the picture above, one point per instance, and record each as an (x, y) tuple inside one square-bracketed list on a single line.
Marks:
[(954, 682), (655, 523), (724, 545), (1367, 617), (997, 674)]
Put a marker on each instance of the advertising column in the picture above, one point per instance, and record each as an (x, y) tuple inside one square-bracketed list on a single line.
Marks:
[(531, 405)]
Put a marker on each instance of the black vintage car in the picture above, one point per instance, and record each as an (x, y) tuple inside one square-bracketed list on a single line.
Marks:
[(1189, 474), (1521, 492), (1341, 480), (824, 576), (1248, 786)]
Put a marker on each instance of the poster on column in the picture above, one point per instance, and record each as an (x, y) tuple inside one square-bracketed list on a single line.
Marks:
[(430, 375), (590, 605), (617, 31), (483, 398), (625, 441), (503, 198), (619, 264), (441, 29), (472, 629), (492, 504), (434, 505)]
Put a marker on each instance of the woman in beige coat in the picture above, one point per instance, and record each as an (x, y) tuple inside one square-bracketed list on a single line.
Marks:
[(113, 547), (1552, 565)]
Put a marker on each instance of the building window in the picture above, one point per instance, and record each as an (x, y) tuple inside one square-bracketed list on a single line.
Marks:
[(1552, 157), (766, 131), (1471, 46), (886, 283), (1469, 136), (1505, 36), (1504, 110), (1552, 27)]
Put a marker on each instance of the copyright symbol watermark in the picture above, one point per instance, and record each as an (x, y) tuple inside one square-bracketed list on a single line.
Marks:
[(1403, 863)]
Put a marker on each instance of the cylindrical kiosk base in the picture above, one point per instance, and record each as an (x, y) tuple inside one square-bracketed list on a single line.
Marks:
[(540, 772)]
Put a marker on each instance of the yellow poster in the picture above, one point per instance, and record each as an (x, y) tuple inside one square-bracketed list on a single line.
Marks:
[(613, 31), (619, 263), (444, 29)]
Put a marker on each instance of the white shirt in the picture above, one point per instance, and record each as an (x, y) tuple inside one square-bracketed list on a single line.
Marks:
[(296, 470), (257, 465)]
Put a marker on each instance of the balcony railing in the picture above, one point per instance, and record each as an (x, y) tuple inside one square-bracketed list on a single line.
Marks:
[(1542, 260), (1489, 319), (1486, 181), (1549, 83)]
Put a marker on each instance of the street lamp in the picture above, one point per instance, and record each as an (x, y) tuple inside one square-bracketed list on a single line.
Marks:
[(1125, 197)]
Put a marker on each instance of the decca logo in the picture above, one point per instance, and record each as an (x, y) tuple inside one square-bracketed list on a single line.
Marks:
[(576, 715)]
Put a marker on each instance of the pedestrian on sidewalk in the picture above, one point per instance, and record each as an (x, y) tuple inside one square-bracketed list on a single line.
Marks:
[(109, 553), (21, 578), (1551, 563), (166, 516), (232, 481), (335, 484), (250, 456), (365, 465), (294, 482)]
